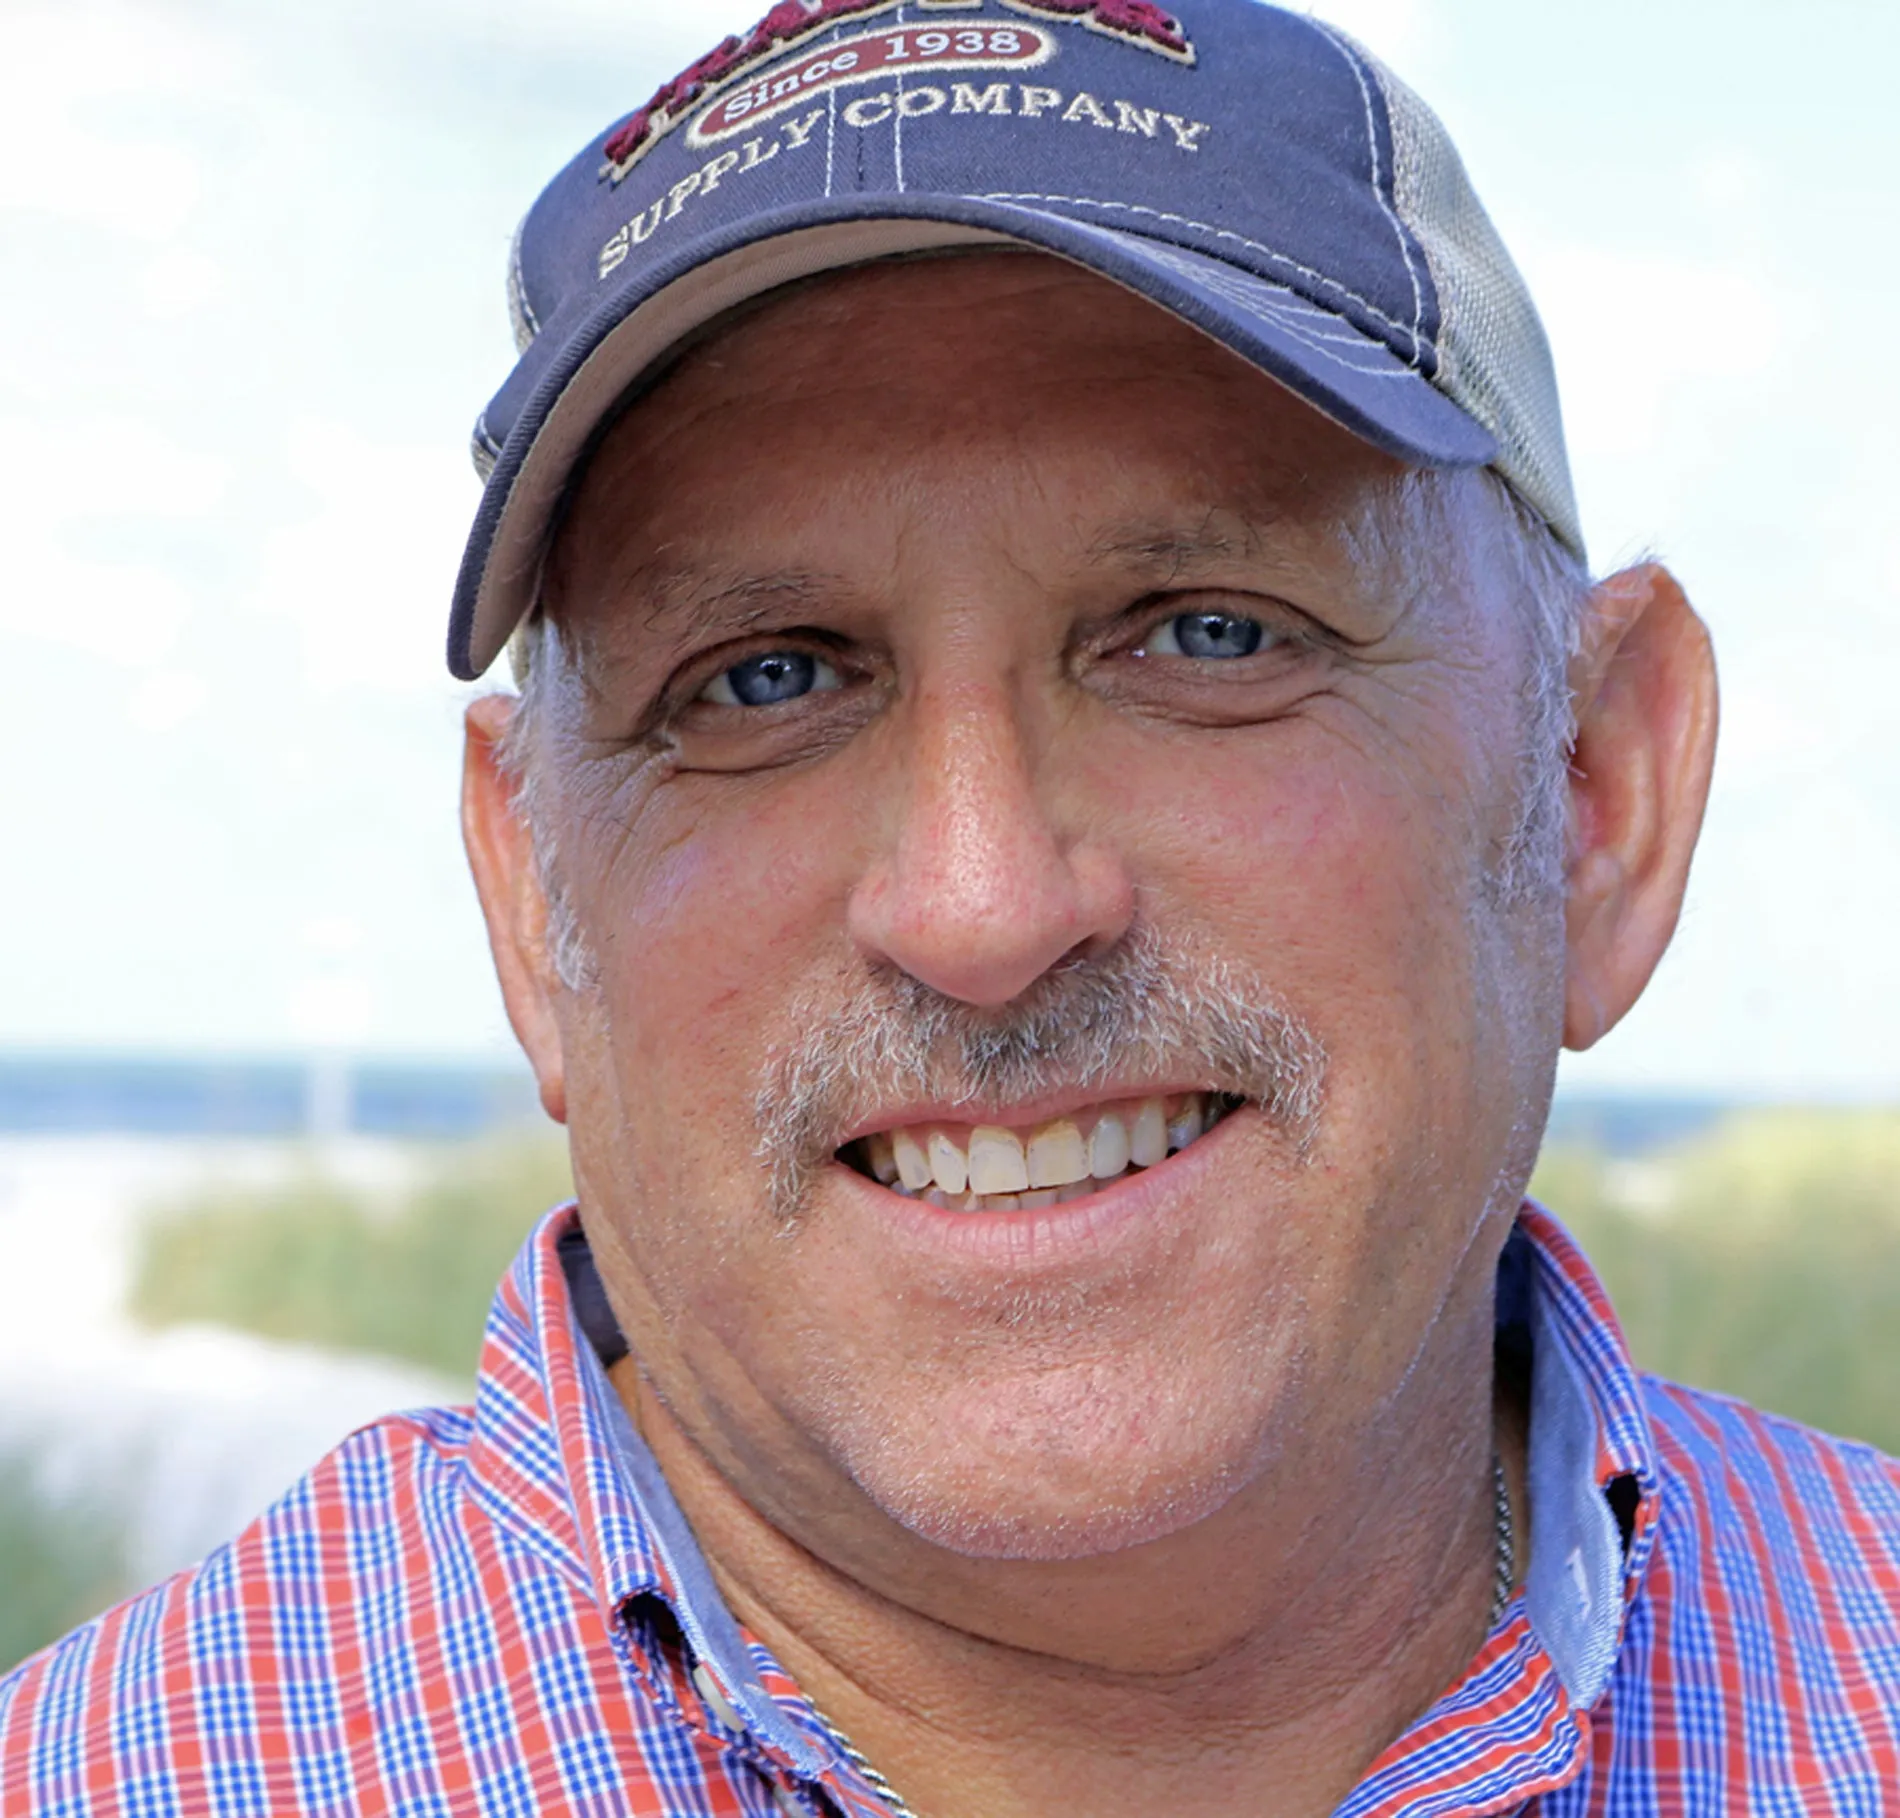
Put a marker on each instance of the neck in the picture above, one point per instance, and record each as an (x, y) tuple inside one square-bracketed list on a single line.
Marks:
[(1272, 1651)]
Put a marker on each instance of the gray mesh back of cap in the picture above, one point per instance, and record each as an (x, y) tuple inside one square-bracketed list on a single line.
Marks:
[(1493, 358)]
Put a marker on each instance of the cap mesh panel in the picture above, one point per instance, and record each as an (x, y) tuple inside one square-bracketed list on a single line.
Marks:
[(1493, 357)]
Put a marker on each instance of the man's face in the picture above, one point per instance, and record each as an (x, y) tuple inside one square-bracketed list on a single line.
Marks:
[(995, 709)]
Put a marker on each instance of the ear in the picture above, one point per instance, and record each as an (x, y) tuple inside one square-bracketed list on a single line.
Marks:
[(501, 855), (1644, 687)]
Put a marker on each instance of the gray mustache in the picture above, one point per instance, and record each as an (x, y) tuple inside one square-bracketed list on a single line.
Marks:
[(1150, 1008)]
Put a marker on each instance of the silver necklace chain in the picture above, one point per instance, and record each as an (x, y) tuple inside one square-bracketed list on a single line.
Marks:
[(1503, 1578), (871, 1777), (1506, 1574)]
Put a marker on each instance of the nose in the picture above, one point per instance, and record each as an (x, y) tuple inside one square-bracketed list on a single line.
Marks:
[(981, 891)]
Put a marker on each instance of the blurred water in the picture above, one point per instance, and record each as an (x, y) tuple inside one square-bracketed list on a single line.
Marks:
[(327, 1094)]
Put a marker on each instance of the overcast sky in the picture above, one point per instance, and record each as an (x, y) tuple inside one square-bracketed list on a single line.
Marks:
[(250, 301)]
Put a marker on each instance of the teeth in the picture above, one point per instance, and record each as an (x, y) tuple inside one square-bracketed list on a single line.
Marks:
[(1058, 1157), (1060, 1160), (947, 1163), (997, 1164), (1148, 1140), (1108, 1148), (913, 1165)]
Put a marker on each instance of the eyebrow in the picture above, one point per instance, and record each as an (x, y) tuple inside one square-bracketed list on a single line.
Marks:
[(1179, 549), (1176, 550), (669, 598), (686, 592)]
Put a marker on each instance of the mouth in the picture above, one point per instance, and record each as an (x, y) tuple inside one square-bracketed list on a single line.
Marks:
[(1001, 1168)]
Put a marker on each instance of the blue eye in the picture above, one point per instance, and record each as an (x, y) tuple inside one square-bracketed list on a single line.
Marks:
[(1206, 634), (769, 678)]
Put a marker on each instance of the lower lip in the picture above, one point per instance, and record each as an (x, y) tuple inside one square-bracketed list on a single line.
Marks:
[(1049, 1235)]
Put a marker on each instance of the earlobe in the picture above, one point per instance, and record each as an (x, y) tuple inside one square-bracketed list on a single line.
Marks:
[(514, 907), (1645, 692)]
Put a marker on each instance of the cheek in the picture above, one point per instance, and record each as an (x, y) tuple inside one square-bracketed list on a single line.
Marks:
[(1332, 870), (1343, 873), (716, 909), (706, 921)]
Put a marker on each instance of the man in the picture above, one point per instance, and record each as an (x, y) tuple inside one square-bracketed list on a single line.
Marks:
[(1069, 783)]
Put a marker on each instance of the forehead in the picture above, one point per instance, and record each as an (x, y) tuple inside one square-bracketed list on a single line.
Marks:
[(843, 407), (949, 332)]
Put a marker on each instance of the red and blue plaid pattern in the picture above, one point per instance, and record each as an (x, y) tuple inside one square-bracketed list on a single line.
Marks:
[(499, 1610)]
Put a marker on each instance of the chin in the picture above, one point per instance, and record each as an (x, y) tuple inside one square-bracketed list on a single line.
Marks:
[(1047, 1532), (1036, 1482)]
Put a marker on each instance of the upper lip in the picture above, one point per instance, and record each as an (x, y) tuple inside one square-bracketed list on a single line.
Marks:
[(1038, 1110)]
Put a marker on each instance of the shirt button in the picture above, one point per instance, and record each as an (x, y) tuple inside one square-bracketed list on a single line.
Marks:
[(716, 1701)]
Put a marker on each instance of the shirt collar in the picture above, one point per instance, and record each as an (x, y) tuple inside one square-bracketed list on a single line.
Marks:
[(1592, 1463), (562, 1459), (685, 1581)]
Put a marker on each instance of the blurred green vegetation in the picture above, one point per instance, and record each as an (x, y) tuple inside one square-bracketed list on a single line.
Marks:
[(61, 1563), (1761, 1258), (328, 1264)]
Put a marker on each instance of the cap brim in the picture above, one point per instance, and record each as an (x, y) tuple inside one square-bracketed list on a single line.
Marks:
[(1358, 382)]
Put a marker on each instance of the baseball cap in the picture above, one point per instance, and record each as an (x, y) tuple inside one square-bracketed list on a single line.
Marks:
[(1254, 171)]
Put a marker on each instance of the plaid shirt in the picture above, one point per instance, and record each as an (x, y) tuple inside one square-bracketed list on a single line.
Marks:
[(502, 1610)]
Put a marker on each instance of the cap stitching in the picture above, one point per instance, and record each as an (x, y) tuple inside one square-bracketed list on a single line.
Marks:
[(897, 125), (1289, 323), (1219, 233), (527, 325), (1346, 49), (831, 129), (521, 285), (484, 450)]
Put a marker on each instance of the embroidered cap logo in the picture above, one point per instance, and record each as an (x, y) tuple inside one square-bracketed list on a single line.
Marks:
[(905, 48), (1136, 22)]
